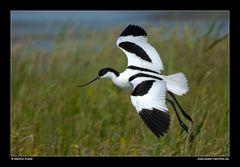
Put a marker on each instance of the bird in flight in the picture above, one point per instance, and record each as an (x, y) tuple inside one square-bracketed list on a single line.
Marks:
[(144, 79)]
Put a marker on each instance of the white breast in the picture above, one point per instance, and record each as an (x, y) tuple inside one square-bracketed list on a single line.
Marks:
[(122, 80)]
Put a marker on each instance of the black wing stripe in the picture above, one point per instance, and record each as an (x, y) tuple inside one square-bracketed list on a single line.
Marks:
[(142, 75), (142, 88), (134, 48), (157, 121), (141, 69)]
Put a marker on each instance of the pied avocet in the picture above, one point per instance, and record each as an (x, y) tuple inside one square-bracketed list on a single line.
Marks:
[(143, 77)]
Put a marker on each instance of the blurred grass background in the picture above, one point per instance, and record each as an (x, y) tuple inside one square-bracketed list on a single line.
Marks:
[(51, 116)]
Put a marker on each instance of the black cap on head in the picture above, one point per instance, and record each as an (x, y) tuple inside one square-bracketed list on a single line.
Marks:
[(105, 70), (101, 73), (133, 30)]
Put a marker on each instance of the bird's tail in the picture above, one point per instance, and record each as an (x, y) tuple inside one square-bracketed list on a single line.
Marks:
[(177, 83)]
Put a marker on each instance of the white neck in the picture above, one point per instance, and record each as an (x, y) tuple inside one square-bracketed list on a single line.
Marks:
[(117, 80), (109, 75), (121, 81)]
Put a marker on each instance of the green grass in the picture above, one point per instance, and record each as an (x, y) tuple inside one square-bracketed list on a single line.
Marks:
[(51, 116)]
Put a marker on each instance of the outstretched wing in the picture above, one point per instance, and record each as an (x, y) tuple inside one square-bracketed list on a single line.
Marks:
[(133, 42), (148, 98)]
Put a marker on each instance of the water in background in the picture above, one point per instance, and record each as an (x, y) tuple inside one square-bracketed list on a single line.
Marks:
[(43, 26)]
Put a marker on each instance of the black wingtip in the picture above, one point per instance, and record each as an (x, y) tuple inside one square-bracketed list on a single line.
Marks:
[(134, 30), (157, 121)]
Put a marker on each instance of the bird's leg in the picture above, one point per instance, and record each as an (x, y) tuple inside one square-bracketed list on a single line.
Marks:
[(183, 112), (183, 125)]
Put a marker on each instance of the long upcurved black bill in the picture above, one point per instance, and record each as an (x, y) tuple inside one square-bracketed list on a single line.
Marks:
[(89, 82)]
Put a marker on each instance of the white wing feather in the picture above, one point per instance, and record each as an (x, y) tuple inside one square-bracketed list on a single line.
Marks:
[(134, 60), (155, 98)]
